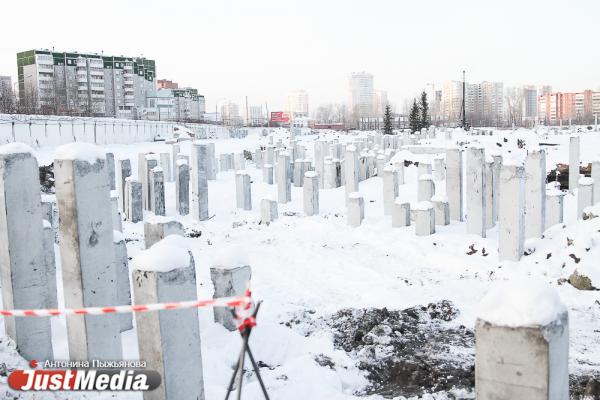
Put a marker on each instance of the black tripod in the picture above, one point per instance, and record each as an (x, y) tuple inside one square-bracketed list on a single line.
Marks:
[(245, 330)]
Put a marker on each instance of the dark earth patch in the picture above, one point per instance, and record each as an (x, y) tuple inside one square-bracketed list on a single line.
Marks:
[(408, 352), (412, 352), (47, 178)]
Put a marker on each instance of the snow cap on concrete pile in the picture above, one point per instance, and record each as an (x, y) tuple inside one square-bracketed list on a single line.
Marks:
[(80, 151), (170, 253), (521, 302), (16, 148), (512, 160), (423, 206), (229, 256), (160, 219), (554, 190)]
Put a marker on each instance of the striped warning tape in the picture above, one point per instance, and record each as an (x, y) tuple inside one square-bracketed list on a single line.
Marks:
[(241, 301)]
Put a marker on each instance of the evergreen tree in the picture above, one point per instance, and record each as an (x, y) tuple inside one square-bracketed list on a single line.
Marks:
[(387, 121), (425, 118), (414, 119)]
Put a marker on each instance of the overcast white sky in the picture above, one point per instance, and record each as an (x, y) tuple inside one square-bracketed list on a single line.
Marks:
[(265, 48)]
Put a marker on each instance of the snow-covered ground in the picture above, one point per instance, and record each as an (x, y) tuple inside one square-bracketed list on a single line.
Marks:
[(319, 265)]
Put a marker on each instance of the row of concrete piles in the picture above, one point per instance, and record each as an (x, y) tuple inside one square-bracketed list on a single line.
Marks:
[(95, 264), (541, 368), (82, 186), (528, 208), (337, 164), (334, 166), (515, 195), (512, 361)]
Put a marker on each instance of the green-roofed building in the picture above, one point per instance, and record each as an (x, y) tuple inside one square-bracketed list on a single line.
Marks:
[(85, 83)]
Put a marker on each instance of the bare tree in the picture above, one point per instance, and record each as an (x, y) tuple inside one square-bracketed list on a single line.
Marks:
[(324, 113), (341, 112), (7, 100), (514, 106), (28, 101)]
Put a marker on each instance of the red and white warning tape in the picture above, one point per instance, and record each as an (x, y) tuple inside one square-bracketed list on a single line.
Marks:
[(243, 302)]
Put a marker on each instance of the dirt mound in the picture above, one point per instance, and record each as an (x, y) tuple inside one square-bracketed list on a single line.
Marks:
[(408, 352)]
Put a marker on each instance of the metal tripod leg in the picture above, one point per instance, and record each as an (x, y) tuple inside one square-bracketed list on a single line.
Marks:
[(235, 371), (257, 371), (241, 363)]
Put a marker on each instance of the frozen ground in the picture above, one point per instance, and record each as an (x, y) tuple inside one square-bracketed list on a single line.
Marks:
[(308, 268)]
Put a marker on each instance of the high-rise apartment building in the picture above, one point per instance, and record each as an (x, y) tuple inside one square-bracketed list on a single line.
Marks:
[(451, 102), (91, 84), (530, 109), (361, 94), (297, 104), (544, 89), (255, 116), (485, 103), (230, 113)]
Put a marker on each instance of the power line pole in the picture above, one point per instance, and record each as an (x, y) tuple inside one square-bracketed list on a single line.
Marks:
[(464, 111), (268, 116), (247, 116)]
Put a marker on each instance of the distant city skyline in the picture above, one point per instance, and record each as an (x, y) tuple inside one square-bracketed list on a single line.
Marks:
[(266, 49)]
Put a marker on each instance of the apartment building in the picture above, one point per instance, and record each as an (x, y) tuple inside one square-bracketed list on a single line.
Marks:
[(485, 103), (90, 84), (166, 84), (230, 113), (255, 115), (451, 101), (297, 104), (361, 94), (577, 107), (380, 101), (530, 109), (189, 104), (184, 104)]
